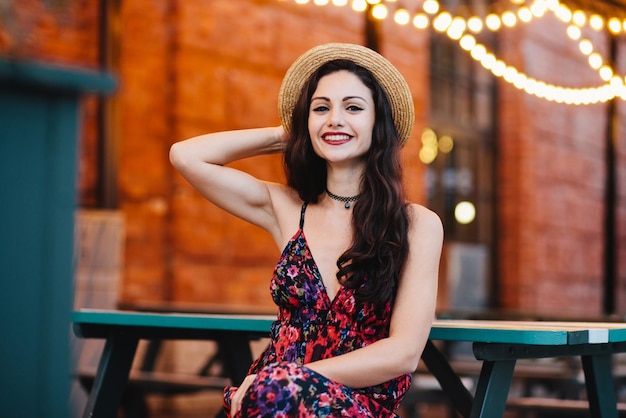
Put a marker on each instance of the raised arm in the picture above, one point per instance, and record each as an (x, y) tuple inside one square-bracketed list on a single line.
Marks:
[(201, 161)]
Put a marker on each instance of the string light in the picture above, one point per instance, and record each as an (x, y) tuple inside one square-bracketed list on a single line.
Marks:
[(595, 60), (359, 5), (574, 32), (379, 11), (524, 14), (402, 17), (493, 22), (421, 21), (442, 21), (461, 29), (596, 22), (614, 25), (538, 8), (585, 46), (475, 24), (509, 19), (431, 6), (563, 13)]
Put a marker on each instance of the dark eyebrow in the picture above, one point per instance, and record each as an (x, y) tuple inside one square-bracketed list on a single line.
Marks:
[(343, 100), (353, 97)]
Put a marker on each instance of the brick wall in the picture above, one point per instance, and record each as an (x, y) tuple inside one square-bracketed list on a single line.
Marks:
[(620, 145), (189, 67), (146, 104), (552, 179)]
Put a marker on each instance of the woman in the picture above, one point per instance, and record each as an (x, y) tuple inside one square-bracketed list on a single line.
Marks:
[(356, 282)]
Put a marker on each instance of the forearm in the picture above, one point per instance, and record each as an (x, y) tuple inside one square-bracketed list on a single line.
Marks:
[(371, 365), (222, 148)]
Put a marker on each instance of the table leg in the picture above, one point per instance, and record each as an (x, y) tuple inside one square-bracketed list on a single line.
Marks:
[(449, 381), (112, 376), (599, 383), (237, 356), (492, 389), (151, 355)]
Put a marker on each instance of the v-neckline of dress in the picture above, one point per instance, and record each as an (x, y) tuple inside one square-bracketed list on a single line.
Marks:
[(318, 274)]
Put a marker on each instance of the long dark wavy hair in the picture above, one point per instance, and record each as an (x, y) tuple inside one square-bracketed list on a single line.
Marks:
[(375, 260)]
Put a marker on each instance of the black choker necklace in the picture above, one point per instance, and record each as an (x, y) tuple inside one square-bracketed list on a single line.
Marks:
[(346, 200)]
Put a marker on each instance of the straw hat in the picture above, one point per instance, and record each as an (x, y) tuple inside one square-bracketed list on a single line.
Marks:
[(392, 82)]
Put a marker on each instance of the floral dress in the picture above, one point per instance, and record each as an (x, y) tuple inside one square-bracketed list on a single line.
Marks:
[(310, 327)]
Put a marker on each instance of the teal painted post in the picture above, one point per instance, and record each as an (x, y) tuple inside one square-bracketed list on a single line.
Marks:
[(600, 386), (492, 389), (39, 126)]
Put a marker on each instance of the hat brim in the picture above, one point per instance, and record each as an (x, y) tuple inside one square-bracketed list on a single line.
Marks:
[(390, 79)]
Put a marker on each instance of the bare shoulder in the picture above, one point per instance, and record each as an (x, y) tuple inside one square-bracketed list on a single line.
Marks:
[(425, 223)]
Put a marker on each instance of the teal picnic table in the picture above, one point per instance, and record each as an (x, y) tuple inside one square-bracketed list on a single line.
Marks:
[(498, 344)]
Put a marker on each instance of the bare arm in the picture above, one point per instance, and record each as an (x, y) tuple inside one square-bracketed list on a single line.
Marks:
[(413, 313), (200, 160)]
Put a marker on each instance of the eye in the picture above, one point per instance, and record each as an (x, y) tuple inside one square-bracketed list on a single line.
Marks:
[(320, 108), (354, 108)]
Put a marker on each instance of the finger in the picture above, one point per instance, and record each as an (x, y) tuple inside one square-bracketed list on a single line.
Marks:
[(235, 405), (238, 402)]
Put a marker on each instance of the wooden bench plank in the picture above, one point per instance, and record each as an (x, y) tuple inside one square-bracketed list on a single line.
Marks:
[(163, 382), (552, 405)]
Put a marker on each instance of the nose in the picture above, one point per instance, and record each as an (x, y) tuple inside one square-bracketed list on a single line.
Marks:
[(335, 117)]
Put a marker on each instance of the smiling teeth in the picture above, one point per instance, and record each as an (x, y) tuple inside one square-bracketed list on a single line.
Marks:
[(337, 137)]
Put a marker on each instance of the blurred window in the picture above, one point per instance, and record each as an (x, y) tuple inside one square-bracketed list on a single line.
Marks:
[(459, 144)]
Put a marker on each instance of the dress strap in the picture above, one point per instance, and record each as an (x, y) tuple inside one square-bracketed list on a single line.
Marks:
[(304, 205)]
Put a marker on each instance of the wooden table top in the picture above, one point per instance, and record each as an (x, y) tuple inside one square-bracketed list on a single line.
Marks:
[(487, 331)]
